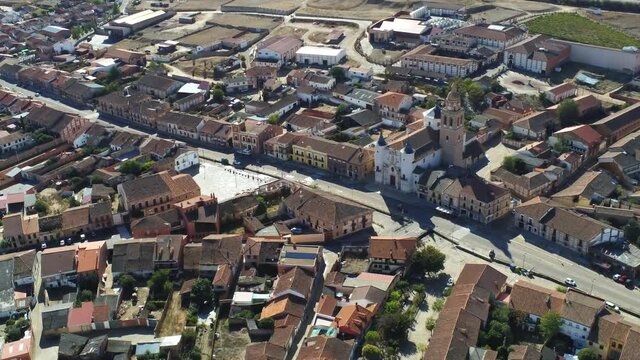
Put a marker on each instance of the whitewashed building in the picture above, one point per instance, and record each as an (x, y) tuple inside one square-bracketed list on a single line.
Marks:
[(186, 158)]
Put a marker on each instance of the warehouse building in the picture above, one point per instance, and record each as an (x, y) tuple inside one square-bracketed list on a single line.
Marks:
[(326, 56), (122, 27)]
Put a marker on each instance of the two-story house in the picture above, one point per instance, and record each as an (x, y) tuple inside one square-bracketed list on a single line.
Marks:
[(393, 108)]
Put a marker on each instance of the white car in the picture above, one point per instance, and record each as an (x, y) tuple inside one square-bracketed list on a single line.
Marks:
[(616, 277), (612, 306), (570, 282), (450, 282), (43, 246)]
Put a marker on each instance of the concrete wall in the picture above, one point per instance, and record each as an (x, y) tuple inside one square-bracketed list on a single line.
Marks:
[(607, 58)]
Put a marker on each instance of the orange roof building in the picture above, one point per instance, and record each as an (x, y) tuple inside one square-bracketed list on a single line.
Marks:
[(354, 319)]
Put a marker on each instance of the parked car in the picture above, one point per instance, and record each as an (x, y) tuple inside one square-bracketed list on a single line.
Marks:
[(296, 230), (570, 282), (616, 277), (450, 282), (612, 306)]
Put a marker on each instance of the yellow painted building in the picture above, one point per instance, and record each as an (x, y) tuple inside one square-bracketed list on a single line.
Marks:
[(303, 152)]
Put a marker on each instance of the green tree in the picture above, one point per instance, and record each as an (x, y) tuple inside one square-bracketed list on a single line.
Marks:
[(341, 109), (428, 259), (73, 202), (514, 165), (132, 167), (372, 337), (201, 293), (338, 73), (127, 283), (114, 74), (273, 119), (438, 304), (550, 324), (393, 306), (12, 334), (262, 205), (430, 324), (587, 354), (159, 285), (475, 95), (568, 111), (496, 87), (85, 295), (41, 206), (371, 352), (394, 327), (218, 95), (266, 323), (632, 231)]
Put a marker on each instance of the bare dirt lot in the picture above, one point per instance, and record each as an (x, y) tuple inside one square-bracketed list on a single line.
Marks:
[(199, 5), (176, 317), (279, 5), (626, 22), (209, 35), (171, 29), (188, 66), (232, 344), (358, 9), (496, 15), (288, 30), (241, 20), (183, 5)]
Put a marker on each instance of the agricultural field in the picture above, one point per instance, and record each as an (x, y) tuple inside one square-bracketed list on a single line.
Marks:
[(574, 27), (626, 22), (241, 20)]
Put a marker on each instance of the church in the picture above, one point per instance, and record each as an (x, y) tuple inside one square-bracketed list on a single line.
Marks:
[(439, 140)]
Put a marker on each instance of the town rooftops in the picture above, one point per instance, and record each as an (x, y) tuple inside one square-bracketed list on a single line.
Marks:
[(585, 133), (90, 256), (524, 352), (280, 44), (324, 348), (157, 82), (590, 185), (493, 32), (332, 209), (534, 299), (58, 260), (564, 220), (562, 88), (134, 255), (307, 256), (380, 281), (295, 279), (181, 120), (391, 247), (282, 306), (393, 99), (618, 120), (20, 349)]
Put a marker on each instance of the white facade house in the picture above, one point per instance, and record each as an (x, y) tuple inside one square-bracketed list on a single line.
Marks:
[(361, 98), (64, 46), (186, 159), (397, 164), (316, 55)]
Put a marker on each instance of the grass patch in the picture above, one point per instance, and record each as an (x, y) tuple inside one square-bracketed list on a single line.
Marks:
[(573, 27)]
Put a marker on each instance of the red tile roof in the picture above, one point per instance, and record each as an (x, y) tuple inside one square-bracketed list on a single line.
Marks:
[(81, 315)]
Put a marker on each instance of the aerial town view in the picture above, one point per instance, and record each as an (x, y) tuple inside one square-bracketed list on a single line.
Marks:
[(320, 179)]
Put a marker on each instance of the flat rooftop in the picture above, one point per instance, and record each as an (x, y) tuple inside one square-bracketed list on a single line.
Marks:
[(319, 51)]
